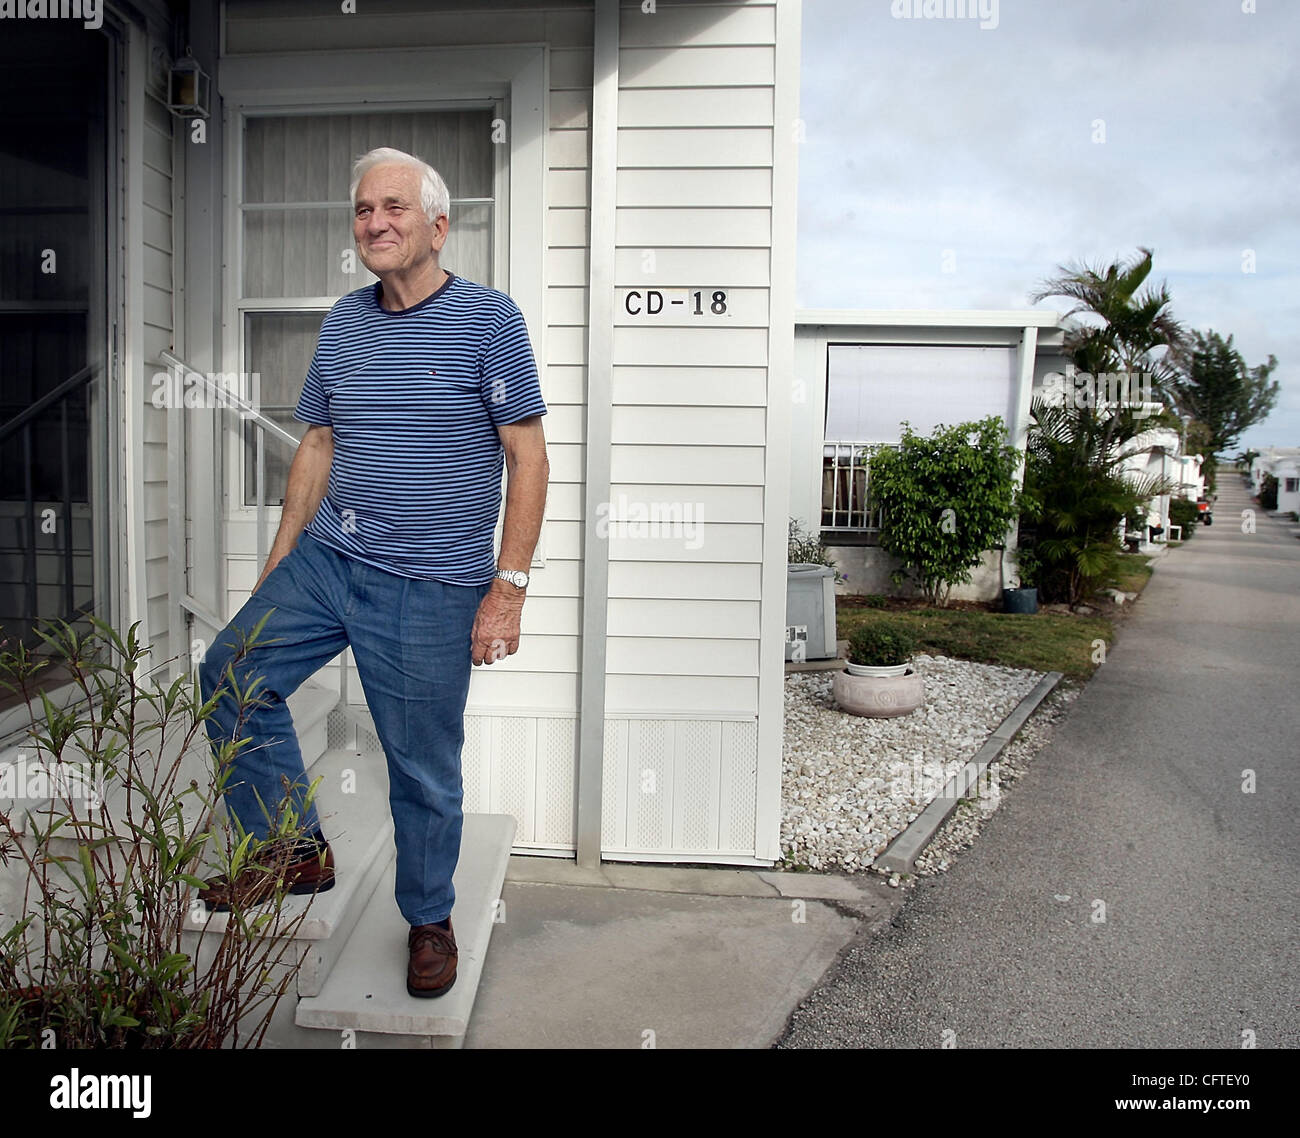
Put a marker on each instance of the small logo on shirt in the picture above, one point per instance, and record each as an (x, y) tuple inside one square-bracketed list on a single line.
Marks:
[(433, 371)]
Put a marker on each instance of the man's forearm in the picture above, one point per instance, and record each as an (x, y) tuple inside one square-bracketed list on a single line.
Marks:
[(525, 503), (309, 476)]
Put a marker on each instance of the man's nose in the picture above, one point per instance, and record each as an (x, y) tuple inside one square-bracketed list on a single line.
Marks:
[(377, 222)]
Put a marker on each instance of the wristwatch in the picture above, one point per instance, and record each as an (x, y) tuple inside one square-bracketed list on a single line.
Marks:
[(516, 577)]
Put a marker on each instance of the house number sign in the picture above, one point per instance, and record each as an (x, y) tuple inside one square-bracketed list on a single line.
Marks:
[(675, 301)]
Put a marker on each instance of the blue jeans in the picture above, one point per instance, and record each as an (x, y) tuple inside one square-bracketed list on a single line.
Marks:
[(411, 642)]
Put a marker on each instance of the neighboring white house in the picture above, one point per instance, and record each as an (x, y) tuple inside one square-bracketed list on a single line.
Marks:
[(1284, 464), (860, 374), (1156, 453), (617, 171)]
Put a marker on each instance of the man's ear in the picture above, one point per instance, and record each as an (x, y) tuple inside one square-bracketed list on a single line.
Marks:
[(440, 229)]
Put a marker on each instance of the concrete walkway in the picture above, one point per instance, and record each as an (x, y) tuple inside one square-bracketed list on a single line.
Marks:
[(662, 956), (1128, 894)]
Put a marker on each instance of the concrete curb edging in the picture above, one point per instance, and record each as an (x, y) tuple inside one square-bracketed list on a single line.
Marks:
[(901, 854)]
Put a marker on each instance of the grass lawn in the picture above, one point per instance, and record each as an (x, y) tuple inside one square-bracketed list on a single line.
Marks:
[(1045, 641), (1134, 572)]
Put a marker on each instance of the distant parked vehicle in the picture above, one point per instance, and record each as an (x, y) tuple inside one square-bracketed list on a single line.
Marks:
[(1204, 510)]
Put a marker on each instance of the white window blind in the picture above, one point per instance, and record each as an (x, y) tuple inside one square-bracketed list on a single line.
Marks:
[(296, 220), (872, 388)]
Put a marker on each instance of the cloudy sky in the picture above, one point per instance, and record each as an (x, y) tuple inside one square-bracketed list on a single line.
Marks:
[(949, 165)]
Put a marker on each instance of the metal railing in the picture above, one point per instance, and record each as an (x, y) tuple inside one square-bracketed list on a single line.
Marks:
[(846, 486), (75, 385), (265, 428)]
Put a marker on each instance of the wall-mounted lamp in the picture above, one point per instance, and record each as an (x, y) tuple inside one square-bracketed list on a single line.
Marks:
[(189, 89)]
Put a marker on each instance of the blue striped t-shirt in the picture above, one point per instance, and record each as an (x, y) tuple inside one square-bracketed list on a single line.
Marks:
[(414, 399)]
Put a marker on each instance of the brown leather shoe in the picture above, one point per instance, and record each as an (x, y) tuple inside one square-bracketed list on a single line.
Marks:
[(432, 970), (257, 883)]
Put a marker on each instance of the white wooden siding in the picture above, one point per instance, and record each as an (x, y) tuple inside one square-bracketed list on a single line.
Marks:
[(689, 425), (690, 419)]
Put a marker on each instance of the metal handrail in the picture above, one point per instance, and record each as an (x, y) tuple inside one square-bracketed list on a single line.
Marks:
[(233, 402), (46, 401), (58, 396), (245, 408)]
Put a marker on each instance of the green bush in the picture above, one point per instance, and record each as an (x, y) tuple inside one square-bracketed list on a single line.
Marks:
[(802, 548), (1183, 512), (881, 644), (945, 500), (1027, 567), (96, 959), (1268, 492)]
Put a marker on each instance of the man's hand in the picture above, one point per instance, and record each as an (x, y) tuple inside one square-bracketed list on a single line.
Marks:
[(496, 625)]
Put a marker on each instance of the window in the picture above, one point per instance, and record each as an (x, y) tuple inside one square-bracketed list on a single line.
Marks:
[(298, 253), (872, 389), (1292, 485)]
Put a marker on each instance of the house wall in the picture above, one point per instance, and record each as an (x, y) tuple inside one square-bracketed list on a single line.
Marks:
[(147, 205), (866, 567), (1282, 464), (697, 142), (688, 413), (1288, 501)]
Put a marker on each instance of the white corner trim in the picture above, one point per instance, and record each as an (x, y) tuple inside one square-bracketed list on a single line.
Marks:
[(776, 458), (133, 587), (596, 473)]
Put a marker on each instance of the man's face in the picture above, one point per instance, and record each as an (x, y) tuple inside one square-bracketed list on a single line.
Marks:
[(392, 233)]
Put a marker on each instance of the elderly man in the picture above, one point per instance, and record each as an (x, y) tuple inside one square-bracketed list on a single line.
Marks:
[(421, 384)]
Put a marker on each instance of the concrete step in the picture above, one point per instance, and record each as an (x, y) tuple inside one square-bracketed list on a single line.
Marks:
[(359, 827), (366, 991)]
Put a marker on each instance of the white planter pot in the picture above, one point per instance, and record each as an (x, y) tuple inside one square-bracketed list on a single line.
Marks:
[(879, 670), (878, 697)]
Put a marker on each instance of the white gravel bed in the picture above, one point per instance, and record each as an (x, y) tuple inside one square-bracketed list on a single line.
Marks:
[(851, 784)]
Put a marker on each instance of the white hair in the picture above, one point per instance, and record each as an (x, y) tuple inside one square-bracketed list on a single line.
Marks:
[(433, 190)]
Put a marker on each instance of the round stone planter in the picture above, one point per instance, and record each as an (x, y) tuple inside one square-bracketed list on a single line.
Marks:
[(879, 670), (878, 697)]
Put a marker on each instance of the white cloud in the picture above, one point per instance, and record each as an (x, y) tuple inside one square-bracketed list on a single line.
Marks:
[(927, 135)]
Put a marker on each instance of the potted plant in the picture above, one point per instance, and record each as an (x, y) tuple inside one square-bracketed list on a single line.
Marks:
[(1134, 528), (879, 679), (1024, 596)]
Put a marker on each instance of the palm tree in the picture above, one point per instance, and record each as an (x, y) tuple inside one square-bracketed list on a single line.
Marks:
[(1074, 472), (1132, 324), (1076, 492)]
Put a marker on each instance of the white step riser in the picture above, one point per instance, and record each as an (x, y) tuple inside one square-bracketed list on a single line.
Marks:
[(360, 830), (366, 991)]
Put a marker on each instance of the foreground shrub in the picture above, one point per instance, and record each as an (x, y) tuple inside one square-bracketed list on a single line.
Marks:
[(124, 833)]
